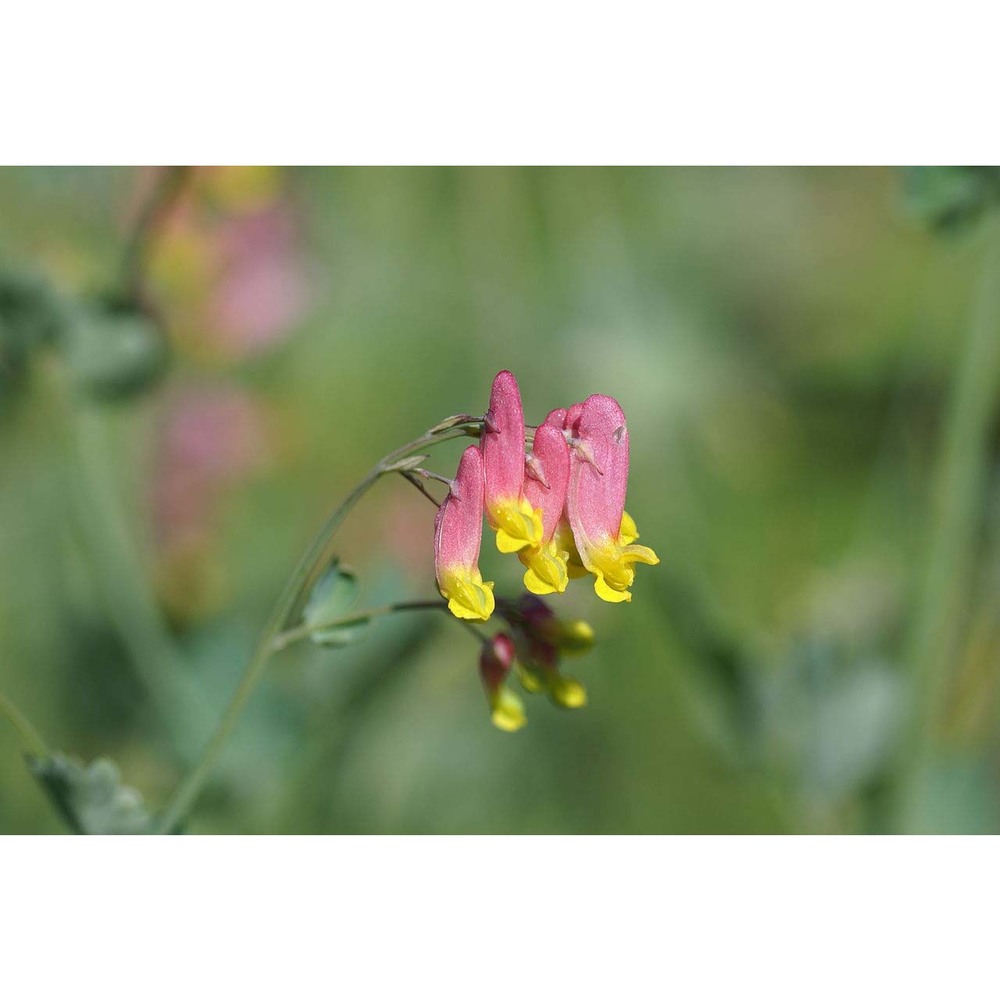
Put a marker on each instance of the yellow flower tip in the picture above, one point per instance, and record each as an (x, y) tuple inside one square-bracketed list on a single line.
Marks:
[(531, 680), (546, 571), (467, 595), (613, 566), (507, 712), (608, 593), (628, 532), (508, 543), (565, 542), (576, 637), (568, 692), (517, 524), (641, 553)]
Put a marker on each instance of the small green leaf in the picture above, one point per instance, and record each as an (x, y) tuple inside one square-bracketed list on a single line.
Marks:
[(91, 799), (331, 600)]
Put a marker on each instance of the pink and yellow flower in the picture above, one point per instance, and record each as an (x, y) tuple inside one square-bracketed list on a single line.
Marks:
[(545, 485), (516, 523), (495, 662), (540, 640), (604, 534), (457, 534)]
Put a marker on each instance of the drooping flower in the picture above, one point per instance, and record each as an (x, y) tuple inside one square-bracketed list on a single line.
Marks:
[(545, 484), (516, 522), (540, 640), (495, 661), (564, 541), (457, 534), (595, 501)]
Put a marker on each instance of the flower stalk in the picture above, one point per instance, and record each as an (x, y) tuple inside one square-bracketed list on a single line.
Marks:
[(288, 610)]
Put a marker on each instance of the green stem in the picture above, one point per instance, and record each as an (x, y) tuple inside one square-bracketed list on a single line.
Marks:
[(961, 483), (29, 736), (288, 609), (285, 639)]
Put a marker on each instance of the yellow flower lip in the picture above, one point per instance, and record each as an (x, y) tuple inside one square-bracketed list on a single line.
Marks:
[(546, 569), (516, 523), (467, 595), (613, 563)]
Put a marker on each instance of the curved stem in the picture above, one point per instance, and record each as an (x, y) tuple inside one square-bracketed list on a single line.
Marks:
[(289, 607), (285, 639), (33, 743)]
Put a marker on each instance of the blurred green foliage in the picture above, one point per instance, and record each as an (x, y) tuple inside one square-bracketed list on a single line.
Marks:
[(782, 341)]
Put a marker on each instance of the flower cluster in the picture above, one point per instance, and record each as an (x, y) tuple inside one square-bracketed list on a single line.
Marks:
[(560, 507)]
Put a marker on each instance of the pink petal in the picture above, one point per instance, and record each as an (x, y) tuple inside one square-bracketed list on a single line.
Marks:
[(502, 442), (552, 455), (572, 417), (458, 526), (598, 471), (557, 418)]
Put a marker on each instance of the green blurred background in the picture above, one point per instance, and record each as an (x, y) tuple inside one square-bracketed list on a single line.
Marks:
[(176, 419)]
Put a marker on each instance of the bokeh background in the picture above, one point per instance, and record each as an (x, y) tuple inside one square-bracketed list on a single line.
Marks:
[(195, 366)]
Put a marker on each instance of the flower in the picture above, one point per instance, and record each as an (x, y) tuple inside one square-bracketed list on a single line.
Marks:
[(540, 638), (515, 521), (545, 485), (603, 533), (495, 661), (457, 535)]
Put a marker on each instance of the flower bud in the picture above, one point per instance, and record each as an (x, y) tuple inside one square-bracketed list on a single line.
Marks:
[(495, 662), (575, 637), (567, 692), (540, 623), (540, 638)]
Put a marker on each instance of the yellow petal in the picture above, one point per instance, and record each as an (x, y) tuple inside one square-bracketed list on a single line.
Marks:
[(606, 593)]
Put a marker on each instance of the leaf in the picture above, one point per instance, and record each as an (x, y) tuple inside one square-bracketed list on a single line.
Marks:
[(331, 600), (91, 799)]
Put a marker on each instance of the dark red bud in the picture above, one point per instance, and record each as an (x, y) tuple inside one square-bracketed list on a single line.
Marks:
[(495, 660)]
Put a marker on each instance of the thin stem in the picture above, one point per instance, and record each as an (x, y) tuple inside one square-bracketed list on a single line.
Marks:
[(288, 609), (436, 476), (961, 482), (29, 736), (285, 639), (317, 557), (471, 628), (415, 481)]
